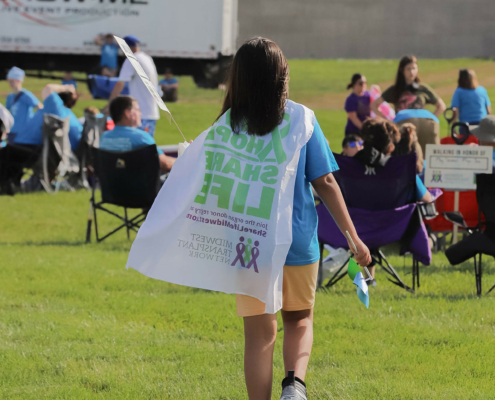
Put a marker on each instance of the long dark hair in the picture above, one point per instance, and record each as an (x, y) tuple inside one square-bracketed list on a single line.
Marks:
[(467, 79), (400, 80), (354, 79), (257, 87)]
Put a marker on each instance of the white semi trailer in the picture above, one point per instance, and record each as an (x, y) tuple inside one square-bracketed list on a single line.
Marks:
[(193, 37)]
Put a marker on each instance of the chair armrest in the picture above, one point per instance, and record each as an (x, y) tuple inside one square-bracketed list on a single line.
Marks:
[(456, 218), (427, 210)]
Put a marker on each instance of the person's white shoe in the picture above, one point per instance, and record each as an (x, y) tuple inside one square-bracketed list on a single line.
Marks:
[(293, 388)]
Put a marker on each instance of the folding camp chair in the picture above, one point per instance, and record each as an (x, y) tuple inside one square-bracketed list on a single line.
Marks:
[(58, 163), (130, 180), (427, 125), (94, 126), (481, 239), (379, 202)]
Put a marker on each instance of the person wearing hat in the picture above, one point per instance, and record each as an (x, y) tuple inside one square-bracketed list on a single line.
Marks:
[(485, 132), (21, 102), (137, 89)]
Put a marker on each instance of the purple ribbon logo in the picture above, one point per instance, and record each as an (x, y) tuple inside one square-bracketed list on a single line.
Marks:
[(247, 253)]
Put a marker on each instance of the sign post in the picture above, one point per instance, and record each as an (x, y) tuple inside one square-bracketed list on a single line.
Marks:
[(455, 168)]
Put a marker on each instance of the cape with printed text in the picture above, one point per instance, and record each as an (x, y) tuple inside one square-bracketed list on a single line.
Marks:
[(223, 219)]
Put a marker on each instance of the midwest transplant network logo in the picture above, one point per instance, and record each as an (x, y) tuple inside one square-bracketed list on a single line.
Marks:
[(247, 254), (436, 176)]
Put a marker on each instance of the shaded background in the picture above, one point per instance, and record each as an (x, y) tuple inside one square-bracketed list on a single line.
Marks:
[(372, 28)]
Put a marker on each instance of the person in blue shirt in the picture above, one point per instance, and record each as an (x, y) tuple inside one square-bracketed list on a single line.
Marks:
[(57, 100), (169, 86), (256, 95), (470, 100), (26, 146), (21, 103), (69, 79), (109, 54), (126, 115)]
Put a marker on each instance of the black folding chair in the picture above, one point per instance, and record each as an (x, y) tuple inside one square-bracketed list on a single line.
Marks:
[(481, 238), (130, 180)]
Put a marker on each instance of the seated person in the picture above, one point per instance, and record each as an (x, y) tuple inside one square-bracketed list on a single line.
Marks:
[(379, 144), (69, 79), (26, 146), (170, 86), (6, 123), (351, 144), (21, 103), (126, 115), (57, 100), (485, 133), (408, 143)]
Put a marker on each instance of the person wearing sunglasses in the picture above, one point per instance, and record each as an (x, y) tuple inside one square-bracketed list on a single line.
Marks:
[(351, 145), (357, 104)]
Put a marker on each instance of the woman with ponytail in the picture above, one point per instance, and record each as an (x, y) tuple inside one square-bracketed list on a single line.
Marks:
[(357, 104)]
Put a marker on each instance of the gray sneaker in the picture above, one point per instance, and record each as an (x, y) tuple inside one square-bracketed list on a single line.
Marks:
[(293, 388)]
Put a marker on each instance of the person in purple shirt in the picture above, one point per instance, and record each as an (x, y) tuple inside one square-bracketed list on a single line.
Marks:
[(357, 104)]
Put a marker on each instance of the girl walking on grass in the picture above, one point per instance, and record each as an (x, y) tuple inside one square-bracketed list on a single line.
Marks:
[(257, 97)]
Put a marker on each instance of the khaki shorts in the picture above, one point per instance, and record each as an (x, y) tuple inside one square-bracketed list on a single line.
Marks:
[(298, 292)]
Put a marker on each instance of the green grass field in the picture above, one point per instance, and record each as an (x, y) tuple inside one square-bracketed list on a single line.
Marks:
[(75, 324)]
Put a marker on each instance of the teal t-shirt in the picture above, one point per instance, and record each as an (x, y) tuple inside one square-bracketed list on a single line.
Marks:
[(22, 109), (471, 103), (32, 132), (315, 160), (125, 138)]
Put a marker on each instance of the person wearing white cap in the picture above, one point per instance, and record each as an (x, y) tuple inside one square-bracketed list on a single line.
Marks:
[(21, 103), (137, 89), (485, 132)]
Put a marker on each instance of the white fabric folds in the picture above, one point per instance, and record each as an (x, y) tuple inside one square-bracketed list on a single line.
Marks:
[(223, 219)]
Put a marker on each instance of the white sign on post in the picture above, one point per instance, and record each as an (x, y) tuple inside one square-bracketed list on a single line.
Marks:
[(455, 167)]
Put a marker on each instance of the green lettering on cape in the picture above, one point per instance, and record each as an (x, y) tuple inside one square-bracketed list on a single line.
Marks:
[(243, 149)]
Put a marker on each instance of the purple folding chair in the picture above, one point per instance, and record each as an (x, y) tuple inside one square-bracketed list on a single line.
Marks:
[(380, 204)]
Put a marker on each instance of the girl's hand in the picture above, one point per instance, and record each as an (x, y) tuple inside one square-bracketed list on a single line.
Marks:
[(363, 257)]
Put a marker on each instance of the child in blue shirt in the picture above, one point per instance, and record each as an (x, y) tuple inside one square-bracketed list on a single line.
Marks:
[(169, 86), (21, 103), (470, 99), (69, 79), (109, 54)]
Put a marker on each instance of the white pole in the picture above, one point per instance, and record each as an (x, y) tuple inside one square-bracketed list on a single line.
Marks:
[(456, 208)]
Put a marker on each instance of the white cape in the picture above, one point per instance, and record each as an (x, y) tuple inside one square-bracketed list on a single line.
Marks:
[(223, 219)]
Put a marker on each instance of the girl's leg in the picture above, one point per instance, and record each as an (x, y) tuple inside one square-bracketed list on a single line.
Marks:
[(298, 341), (260, 332)]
